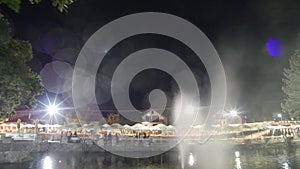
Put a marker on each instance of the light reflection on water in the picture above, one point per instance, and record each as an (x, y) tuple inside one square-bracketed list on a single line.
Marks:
[(196, 157), (191, 159), (237, 160), (47, 162), (284, 160)]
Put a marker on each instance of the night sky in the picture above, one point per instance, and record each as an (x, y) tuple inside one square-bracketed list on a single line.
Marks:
[(239, 31)]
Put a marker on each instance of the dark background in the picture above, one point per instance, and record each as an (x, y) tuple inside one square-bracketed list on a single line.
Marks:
[(239, 31)]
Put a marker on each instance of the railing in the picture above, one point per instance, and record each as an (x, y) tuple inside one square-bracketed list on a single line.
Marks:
[(21, 136)]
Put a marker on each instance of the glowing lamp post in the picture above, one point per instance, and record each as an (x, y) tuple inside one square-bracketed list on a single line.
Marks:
[(52, 110), (233, 113), (280, 116)]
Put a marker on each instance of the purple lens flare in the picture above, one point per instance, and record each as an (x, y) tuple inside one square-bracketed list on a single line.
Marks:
[(274, 47)]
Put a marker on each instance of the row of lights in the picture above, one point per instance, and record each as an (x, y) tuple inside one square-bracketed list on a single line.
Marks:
[(52, 109)]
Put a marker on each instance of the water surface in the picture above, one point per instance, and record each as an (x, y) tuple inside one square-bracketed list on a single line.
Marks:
[(192, 157)]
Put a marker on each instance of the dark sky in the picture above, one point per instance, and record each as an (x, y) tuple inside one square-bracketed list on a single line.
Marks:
[(239, 31)]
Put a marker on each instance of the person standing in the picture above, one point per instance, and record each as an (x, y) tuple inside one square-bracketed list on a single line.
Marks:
[(61, 136), (69, 136)]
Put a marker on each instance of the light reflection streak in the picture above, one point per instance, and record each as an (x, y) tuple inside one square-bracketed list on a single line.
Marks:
[(191, 159), (47, 163), (237, 160)]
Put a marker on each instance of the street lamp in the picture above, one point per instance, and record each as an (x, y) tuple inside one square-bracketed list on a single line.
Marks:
[(236, 115), (233, 113), (52, 109), (280, 116)]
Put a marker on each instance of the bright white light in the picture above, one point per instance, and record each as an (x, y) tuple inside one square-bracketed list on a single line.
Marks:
[(238, 163), (279, 115), (237, 160), (233, 112), (47, 163), (237, 154), (191, 159), (52, 109)]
